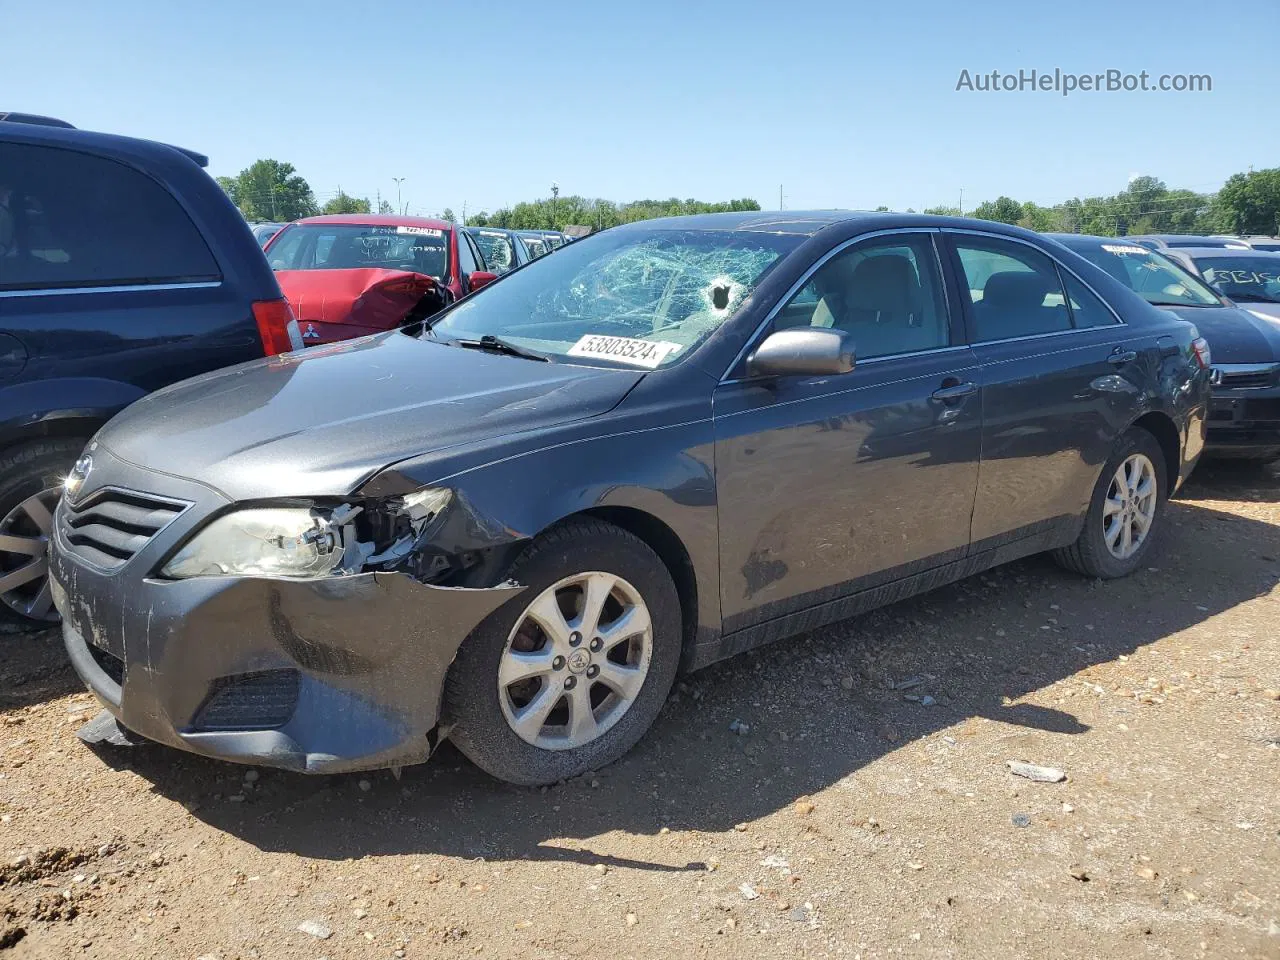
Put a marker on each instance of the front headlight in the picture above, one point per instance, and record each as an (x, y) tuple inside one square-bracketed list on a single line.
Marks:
[(259, 542)]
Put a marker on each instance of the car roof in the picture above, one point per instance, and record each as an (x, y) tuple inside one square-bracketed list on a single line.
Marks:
[(1210, 252), (14, 117), (1181, 239), (378, 220), (37, 133), (806, 223), (1091, 240)]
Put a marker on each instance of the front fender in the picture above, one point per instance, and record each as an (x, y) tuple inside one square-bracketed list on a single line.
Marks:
[(665, 472)]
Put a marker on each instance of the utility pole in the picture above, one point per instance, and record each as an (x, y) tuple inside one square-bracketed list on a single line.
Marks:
[(464, 213), (962, 201), (779, 196), (378, 206), (398, 180), (555, 194)]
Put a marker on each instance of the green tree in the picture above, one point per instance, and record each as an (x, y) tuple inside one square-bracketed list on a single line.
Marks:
[(1002, 210), (448, 216), (1249, 202), (270, 190), (385, 208), (343, 203), (942, 211)]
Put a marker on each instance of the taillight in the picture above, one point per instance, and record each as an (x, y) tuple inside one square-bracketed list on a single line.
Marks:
[(274, 320), (1204, 357)]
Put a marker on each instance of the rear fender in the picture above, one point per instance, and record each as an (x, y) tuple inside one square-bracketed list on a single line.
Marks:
[(72, 406)]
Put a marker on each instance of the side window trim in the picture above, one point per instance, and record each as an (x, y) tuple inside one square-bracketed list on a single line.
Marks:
[(948, 239), (957, 338)]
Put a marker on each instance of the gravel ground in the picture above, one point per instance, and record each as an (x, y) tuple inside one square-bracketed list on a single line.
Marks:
[(865, 811)]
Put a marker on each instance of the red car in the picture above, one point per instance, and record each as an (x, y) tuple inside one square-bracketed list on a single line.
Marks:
[(349, 275)]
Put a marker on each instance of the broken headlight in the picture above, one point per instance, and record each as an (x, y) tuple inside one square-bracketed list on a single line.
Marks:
[(260, 542)]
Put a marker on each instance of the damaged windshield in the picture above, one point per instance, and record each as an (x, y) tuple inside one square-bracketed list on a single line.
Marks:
[(499, 254), (635, 297), (327, 246), (1247, 279), (1151, 276)]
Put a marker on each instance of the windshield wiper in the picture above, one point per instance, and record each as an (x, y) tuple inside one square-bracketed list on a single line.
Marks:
[(1179, 303), (498, 345)]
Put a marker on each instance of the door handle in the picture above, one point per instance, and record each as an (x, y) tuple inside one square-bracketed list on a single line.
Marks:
[(955, 391), (1120, 357)]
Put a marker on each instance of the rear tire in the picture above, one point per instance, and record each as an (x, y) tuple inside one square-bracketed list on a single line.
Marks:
[(1099, 550), (31, 478), (618, 672)]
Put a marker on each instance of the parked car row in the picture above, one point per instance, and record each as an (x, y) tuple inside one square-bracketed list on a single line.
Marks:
[(349, 275), (1174, 241), (1244, 418)]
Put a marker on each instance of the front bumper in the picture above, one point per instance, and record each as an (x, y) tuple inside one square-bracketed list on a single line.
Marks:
[(1244, 423), (319, 676)]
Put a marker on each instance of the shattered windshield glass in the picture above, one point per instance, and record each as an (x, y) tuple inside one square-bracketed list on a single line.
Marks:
[(635, 297), (499, 255)]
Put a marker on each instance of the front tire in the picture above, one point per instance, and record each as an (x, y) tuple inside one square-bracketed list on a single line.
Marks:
[(568, 675), (1125, 512), (31, 478)]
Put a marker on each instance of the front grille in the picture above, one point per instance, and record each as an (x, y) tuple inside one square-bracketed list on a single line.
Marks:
[(250, 701), (1268, 409), (1245, 379), (111, 525)]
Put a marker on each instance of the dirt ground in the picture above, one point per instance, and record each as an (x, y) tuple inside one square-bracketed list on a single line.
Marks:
[(858, 816)]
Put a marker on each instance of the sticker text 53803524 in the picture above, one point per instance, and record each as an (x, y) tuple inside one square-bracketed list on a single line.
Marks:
[(639, 353)]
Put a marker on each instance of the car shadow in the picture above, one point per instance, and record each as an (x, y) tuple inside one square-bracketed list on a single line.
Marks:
[(819, 708), (1248, 480), (34, 668)]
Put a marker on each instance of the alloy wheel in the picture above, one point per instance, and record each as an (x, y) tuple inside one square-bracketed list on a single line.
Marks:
[(575, 661), (24, 563), (1130, 507)]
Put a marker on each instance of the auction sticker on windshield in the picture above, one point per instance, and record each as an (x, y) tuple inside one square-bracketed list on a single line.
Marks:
[(420, 231), (640, 353)]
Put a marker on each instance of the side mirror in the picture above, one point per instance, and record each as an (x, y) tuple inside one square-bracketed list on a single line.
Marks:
[(480, 278), (802, 351)]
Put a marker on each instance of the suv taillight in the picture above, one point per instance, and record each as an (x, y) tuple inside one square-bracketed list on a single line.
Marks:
[(1204, 357), (276, 326)]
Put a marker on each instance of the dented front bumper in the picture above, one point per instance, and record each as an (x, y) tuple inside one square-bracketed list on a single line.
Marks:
[(319, 676)]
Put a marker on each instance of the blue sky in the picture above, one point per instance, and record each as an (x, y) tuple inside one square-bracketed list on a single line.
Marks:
[(844, 104)]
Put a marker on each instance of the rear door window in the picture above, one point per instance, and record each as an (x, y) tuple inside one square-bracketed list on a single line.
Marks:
[(1086, 309), (69, 219), (1014, 289)]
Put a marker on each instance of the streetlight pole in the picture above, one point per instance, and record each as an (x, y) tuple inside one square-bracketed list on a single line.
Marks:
[(398, 180), (555, 194)]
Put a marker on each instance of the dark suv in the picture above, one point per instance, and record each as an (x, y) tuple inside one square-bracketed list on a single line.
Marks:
[(123, 268)]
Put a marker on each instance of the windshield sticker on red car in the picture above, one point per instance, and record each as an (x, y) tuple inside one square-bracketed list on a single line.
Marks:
[(421, 231), (1121, 248), (640, 353)]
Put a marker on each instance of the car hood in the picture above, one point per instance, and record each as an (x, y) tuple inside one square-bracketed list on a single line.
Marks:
[(321, 421), (1263, 311), (367, 296), (1235, 335)]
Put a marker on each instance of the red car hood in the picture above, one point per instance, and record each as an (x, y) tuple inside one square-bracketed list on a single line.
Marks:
[(368, 297)]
